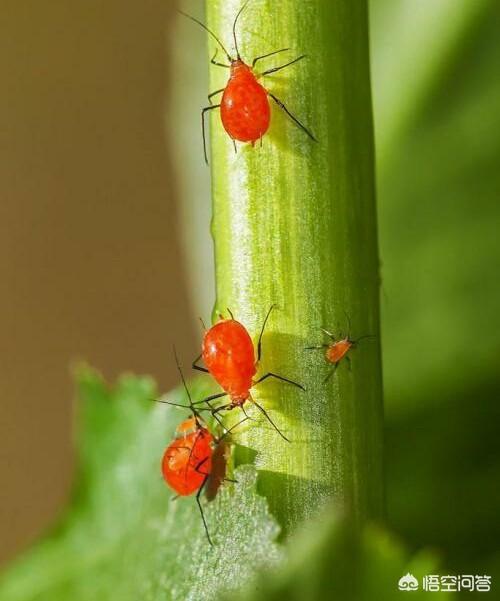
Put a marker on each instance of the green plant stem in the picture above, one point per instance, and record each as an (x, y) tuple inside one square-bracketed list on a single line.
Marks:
[(294, 223)]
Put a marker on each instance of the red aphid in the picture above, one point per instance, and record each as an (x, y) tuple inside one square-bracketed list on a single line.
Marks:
[(337, 349), (196, 460), (229, 356), (188, 460), (245, 107), (228, 353)]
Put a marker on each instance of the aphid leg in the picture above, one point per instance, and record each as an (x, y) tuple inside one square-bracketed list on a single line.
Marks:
[(230, 313), (246, 414), (227, 407), (348, 359), (195, 365), (210, 398), (259, 58), (203, 112), (330, 373), (218, 420), (216, 63), (276, 69), (259, 344), (316, 348), (292, 117), (212, 94), (174, 498), (235, 148), (198, 466), (220, 64), (212, 409), (281, 378), (198, 501), (269, 420)]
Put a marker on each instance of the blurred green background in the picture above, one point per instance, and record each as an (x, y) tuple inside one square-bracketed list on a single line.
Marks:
[(106, 252)]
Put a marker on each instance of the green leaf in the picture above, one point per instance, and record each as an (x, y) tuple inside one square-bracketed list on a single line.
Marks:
[(123, 537)]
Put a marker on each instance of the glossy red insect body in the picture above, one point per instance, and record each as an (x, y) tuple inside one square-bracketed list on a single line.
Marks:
[(188, 460), (228, 353), (229, 356), (245, 108), (195, 460)]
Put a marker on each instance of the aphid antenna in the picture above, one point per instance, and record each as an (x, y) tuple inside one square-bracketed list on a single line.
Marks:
[(209, 31), (195, 411), (238, 56), (230, 313), (202, 323), (173, 404), (349, 327), (264, 323), (366, 336)]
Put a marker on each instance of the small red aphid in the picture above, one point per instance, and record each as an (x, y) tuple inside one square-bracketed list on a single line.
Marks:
[(196, 460), (229, 356), (187, 462), (337, 350), (245, 108)]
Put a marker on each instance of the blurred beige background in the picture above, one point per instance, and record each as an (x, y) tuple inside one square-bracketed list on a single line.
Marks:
[(90, 261)]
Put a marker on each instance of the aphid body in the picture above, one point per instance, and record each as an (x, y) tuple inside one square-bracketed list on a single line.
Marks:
[(338, 350), (196, 459), (228, 353), (187, 461), (245, 109), (229, 356)]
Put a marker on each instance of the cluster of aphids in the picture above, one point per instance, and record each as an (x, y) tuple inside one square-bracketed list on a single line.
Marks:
[(196, 459)]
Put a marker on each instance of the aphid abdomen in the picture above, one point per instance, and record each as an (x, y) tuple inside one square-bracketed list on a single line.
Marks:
[(338, 350), (245, 110), (182, 458), (229, 356)]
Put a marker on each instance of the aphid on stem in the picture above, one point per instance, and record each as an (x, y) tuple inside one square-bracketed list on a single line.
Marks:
[(244, 107), (229, 356), (338, 349), (196, 459)]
